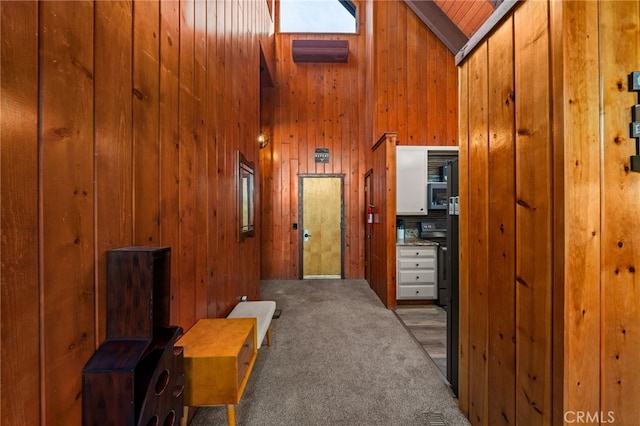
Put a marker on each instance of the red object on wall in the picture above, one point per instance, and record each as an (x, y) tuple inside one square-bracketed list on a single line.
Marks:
[(370, 214), (309, 51)]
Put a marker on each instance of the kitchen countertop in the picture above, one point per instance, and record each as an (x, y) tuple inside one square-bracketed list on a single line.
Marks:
[(416, 242)]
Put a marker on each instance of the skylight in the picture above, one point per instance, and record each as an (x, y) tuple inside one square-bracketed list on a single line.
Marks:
[(317, 16)]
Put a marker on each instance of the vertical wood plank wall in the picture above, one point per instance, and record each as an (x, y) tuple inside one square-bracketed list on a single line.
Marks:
[(534, 235), (577, 203), (120, 122), (463, 250), (67, 199), (399, 78), (620, 203), (547, 176), (314, 105), (19, 191), (383, 280), (478, 234), (414, 79), (501, 329)]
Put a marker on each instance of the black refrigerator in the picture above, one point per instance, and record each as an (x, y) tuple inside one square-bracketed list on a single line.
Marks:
[(453, 294)]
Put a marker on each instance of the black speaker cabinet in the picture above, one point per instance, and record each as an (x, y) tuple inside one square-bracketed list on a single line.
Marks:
[(139, 291), (136, 377)]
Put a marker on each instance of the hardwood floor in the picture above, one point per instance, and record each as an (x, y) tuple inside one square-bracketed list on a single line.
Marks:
[(428, 324)]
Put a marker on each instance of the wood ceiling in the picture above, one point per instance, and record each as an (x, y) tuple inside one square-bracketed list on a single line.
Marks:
[(453, 21), (467, 15)]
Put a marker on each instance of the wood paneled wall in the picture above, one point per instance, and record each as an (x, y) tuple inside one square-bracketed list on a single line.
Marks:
[(314, 106), (120, 122), (618, 251), (414, 82), (412, 88), (383, 248), (549, 218), (399, 78)]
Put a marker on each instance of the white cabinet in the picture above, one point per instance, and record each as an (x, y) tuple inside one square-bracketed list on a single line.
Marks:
[(416, 272), (411, 180)]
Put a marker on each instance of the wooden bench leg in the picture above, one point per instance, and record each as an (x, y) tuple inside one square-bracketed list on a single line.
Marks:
[(231, 415), (185, 416), (269, 336)]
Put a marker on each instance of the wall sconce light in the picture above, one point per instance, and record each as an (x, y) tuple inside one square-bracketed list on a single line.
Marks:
[(263, 140)]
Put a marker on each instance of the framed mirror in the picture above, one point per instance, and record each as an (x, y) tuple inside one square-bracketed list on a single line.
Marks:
[(245, 196)]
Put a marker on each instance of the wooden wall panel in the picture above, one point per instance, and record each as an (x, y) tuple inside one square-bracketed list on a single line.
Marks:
[(120, 126), (620, 388), (186, 164), (315, 106), (169, 142), (414, 79), (577, 214), (354, 131), (501, 228), (413, 82), (573, 234), (67, 204), (533, 214), (201, 163), (383, 246), (478, 236), (557, 46), (113, 141), (146, 122), (213, 109), (463, 240), (19, 301)]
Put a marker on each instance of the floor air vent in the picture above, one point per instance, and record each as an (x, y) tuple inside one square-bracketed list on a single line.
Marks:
[(434, 419)]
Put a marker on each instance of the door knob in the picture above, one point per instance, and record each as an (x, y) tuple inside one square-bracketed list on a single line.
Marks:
[(306, 235)]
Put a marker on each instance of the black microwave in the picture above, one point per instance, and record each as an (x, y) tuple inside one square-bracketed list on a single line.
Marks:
[(437, 195)]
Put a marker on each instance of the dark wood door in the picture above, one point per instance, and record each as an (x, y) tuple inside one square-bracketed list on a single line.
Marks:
[(368, 224)]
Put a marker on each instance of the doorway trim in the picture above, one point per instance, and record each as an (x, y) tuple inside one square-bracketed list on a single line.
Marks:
[(368, 227), (301, 178)]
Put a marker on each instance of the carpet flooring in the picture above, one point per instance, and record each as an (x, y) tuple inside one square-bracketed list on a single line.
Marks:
[(428, 324), (339, 357)]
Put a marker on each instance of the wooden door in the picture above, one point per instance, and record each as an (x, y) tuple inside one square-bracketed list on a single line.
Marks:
[(322, 226)]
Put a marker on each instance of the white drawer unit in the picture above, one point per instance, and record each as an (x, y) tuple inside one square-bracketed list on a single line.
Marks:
[(416, 272)]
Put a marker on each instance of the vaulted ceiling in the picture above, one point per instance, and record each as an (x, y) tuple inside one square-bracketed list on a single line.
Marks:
[(453, 21), (468, 15)]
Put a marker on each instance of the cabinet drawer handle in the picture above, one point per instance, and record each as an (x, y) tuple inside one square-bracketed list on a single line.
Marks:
[(417, 253), (417, 291), (417, 277), (417, 264)]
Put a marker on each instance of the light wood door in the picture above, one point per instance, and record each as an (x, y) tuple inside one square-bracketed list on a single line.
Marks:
[(321, 227)]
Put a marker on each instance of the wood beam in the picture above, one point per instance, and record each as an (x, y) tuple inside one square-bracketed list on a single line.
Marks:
[(439, 23)]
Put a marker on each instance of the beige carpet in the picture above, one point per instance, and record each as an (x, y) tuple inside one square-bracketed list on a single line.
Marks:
[(339, 357)]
